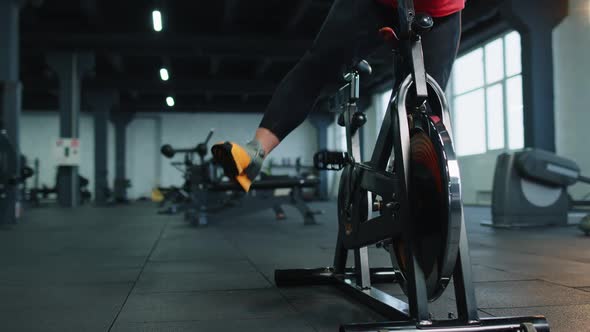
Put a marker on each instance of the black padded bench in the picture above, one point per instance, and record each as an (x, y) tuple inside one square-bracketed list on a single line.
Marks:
[(267, 184), (262, 195)]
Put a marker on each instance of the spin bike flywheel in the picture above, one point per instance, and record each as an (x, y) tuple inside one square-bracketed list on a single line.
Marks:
[(435, 205)]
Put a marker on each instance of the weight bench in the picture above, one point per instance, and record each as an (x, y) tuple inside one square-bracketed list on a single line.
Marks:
[(262, 196), (270, 182)]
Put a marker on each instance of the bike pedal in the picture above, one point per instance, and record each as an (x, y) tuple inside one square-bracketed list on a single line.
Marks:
[(330, 160)]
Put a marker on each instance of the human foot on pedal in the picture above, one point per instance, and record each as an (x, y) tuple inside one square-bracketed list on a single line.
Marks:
[(241, 163)]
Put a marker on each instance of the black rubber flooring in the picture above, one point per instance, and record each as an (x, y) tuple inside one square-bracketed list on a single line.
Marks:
[(128, 269)]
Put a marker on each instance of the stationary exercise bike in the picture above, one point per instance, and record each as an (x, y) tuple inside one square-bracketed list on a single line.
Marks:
[(406, 199)]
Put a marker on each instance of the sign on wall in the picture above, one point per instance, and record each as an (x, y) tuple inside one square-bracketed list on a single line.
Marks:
[(67, 152)]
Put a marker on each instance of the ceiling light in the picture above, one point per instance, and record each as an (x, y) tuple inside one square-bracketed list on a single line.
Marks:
[(157, 19), (170, 101), (164, 74)]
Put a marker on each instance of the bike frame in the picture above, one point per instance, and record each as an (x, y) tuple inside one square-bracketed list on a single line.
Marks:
[(376, 177)]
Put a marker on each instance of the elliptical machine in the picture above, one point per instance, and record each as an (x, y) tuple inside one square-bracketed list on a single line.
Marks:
[(530, 189), (406, 199)]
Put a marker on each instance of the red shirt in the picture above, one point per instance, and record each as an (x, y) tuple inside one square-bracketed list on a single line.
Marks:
[(435, 8)]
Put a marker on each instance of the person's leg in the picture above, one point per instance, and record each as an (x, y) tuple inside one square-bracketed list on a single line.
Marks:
[(268, 140), (340, 41), (349, 31), (440, 47)]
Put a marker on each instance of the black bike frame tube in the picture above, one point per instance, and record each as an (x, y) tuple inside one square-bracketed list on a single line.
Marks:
[(411, 47), (406, 14), (464, 290), (416, 285), (350, 149), (384, 144), (418, 69), (340, 253)]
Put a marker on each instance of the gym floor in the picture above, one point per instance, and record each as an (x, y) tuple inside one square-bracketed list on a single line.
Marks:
[(128, 269)]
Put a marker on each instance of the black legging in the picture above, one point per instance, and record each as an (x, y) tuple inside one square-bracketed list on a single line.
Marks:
[(351, 31)]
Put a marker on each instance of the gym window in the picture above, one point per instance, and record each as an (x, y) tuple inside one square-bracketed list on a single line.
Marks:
[(486, 97)]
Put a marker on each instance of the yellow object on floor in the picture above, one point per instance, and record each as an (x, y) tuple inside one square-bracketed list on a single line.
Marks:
[(157, 195)]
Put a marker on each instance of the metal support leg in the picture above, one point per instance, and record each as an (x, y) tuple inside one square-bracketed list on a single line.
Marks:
[(296, 198), (418, 298), (464, 290), (361, 266)]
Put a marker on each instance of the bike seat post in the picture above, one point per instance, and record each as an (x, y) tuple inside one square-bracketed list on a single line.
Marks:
[(355, 86), (356, 116)]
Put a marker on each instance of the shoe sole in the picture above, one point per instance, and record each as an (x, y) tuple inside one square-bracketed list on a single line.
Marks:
[(223, 156)]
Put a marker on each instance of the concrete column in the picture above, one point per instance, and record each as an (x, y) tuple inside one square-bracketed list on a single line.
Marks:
[(120, 121), (321, 121), (101, 102), (535, 21), (9, 38), (70, 68), (10, 98)]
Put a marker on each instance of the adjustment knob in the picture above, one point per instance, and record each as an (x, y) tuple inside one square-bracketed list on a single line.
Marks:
[(341, 122), (358, 119), (422, 23)]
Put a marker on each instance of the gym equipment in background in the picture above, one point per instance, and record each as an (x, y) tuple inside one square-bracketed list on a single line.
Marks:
[(263, 195), (585, 225), (294, 169), (287, 164), (177, 199), (407, 199), (38, 193), (530, 189), (205, 193), (10, 179), (26, 173), (171, 200), (192, 197)]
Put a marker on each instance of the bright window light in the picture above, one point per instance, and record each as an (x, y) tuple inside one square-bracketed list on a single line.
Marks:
[(164, 74), (170, 101), (157, 19), (487, 97)]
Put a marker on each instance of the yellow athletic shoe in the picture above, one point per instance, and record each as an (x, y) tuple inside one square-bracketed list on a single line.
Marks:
[(242, 163)]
